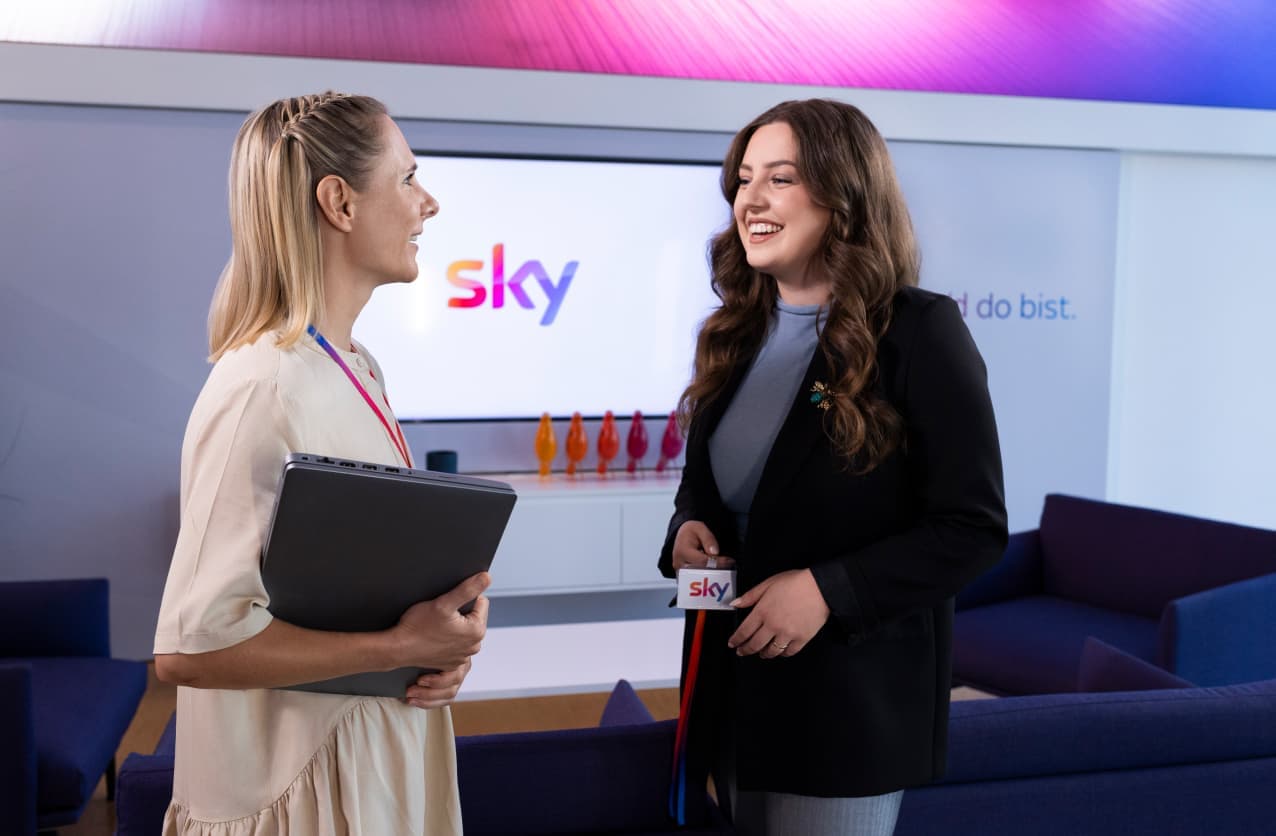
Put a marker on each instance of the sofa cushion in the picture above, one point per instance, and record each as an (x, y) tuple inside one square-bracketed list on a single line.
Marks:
[(81, 709), (624, 707), (1135, 560), (1033, 645), (1106, 668), (1224, 635)]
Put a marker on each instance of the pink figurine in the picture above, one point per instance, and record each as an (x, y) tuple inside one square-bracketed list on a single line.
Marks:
[(671, 443), (636, 444), (577, 443), (608, 442), (546, 444)]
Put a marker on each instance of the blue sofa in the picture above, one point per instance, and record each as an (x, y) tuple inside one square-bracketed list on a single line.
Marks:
[(64, 704), (1128, 763), (1100, 762), (1193, 596), (610, 779)]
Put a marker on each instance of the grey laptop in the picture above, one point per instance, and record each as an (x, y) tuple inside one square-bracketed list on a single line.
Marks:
[(353, 544)]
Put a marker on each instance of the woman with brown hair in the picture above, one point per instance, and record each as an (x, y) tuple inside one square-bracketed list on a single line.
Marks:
[(842, 456), (324, 208)]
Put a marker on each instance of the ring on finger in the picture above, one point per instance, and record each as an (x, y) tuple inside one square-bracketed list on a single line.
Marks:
[(711, 563), (780, 648)]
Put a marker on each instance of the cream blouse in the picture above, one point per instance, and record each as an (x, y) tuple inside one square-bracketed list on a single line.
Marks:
[(266, 761)]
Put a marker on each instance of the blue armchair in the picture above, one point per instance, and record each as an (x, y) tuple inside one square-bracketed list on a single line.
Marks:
[(63, 702), (1193, 596)]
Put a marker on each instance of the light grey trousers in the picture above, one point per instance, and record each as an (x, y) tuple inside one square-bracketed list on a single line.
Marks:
[(784, 814)]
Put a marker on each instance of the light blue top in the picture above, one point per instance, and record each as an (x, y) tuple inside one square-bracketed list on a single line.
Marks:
[(740, 444)]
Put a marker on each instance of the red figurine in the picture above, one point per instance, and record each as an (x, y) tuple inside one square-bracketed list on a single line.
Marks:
[(577, 443), (671, 443), (636, 444), (608, 442)]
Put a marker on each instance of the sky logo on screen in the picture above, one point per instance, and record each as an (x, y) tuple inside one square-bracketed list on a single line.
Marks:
[(513, 285)]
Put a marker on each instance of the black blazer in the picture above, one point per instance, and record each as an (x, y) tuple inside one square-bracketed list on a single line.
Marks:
[(863, 708)]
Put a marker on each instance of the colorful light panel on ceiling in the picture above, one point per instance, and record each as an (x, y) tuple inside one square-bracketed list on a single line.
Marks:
[(1189, 52)]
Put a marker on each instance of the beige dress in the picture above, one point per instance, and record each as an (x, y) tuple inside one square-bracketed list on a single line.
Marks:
[(271, 761)]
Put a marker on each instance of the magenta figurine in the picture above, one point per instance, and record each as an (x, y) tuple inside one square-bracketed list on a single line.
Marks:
[(670, 443), (636, 443)]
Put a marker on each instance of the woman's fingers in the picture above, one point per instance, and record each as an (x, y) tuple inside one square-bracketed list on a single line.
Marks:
[(695, 546), (768, 644), (704, 539), (426, 696), (775, 648), (443, 679), (749, 630), (760, 640), (435, 690)]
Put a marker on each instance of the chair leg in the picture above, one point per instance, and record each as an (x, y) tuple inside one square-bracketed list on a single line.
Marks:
[(110, 780)]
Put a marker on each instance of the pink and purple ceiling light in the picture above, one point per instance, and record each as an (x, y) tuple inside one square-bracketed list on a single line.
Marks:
[(1189, 52)]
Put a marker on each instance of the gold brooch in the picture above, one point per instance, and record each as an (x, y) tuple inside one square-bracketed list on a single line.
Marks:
[(821, 395)]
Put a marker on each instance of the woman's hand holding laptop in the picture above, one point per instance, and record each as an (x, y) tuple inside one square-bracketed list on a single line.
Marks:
[(436, 634)]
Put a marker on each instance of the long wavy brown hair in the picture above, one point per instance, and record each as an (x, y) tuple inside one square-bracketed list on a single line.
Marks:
[(867, 254)]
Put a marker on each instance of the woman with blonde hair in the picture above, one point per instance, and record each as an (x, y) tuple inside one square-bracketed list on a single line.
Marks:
[(324, 208), (842, 456)]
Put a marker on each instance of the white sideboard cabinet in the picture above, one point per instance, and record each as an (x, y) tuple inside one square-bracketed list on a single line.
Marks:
[(589, 533)]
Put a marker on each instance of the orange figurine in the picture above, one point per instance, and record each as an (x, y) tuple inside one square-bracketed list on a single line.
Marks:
[(546, 444), (608, 442), (636, 444), (577, 443), (671, 443)]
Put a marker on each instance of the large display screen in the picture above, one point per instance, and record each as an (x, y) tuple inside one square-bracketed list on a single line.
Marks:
[(553, 286), (561, 286)]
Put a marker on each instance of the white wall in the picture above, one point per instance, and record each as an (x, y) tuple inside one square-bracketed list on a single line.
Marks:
[(1194, 371)]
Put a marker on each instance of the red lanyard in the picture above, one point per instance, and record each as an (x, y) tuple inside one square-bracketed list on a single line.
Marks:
[(678, 784), (396, 434)]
